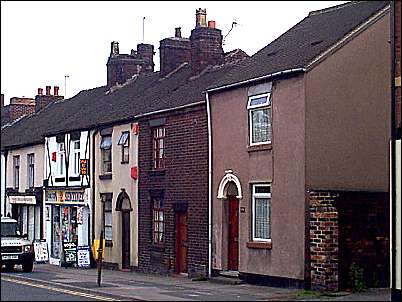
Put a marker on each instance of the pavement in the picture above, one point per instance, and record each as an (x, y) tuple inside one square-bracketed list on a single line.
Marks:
[(126, 286)]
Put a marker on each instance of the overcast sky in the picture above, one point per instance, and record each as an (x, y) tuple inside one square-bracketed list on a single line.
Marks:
[(42, 42)]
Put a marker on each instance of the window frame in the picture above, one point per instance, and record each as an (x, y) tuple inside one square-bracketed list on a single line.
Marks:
[(76, 161), (61, 155), (255, 196), (250, 108), (158, 163), (103, 151), (31, 168), (160, 222), (125, 147), (107, 198), (16, 171)]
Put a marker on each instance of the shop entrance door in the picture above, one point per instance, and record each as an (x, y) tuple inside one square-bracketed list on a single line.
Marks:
[(125, 239), (181, 242), (233, 257)]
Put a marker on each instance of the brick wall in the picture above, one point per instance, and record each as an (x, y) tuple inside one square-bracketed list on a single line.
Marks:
[(18, 110), (185, 181), (173, 52), (323, 241), (347, 228)]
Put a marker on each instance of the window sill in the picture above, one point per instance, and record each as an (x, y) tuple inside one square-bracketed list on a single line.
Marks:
[(263, 147), (267, 245), (105, 176), (124, 162)]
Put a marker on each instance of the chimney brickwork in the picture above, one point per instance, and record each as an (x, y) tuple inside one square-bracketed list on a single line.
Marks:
[(41, 101), (121, 67), (20, 106)]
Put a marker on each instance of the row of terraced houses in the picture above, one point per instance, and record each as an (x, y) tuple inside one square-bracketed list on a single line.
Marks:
[(272, 167)]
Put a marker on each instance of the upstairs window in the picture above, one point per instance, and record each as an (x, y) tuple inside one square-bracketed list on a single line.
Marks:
[(16, 168), (260, 121), (261, 195), (61, 152), (158, 135), (107, 216), (76, 157), (124, 143), (31, 169), (106, 154)]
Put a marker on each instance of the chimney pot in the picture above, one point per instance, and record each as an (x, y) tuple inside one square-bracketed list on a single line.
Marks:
[(177, 32), (56, 90), (48, 90), (201, 17), (211, 24), (114, 48), (40, 91)]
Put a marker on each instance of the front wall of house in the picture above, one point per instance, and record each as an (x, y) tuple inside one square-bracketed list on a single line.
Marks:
[(348, 102), (183, 185), (38, 150), (283, 165), (121, 179)]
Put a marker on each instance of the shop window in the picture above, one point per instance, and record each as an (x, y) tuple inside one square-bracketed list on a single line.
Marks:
[(124, 143), (158, 220), (260, 122), (158, 149), (31, 169), (16, 168), (106, 154), (261, 199)]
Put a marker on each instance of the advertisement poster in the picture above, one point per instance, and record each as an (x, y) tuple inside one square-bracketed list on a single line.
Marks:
[(41, 251), (83, 256), (70, 252)]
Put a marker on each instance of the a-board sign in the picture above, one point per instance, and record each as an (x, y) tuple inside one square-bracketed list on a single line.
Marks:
[(70, 252), (83, 256), (41, 251)]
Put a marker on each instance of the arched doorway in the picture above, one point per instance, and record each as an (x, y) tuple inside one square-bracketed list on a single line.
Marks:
[(230, 191), (123, 205)]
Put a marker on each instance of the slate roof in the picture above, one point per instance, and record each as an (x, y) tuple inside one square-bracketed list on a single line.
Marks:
[(94, 107), (303, 42)]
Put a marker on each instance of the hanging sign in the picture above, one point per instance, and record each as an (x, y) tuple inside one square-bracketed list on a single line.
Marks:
[(41, 251), (83, 166), (70, 252), (83, 256)]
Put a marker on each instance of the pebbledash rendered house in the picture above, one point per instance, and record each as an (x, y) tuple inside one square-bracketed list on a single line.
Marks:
[(299, 175)]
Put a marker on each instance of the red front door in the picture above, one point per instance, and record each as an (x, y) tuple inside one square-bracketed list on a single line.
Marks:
[(233, 260), (181, 242)]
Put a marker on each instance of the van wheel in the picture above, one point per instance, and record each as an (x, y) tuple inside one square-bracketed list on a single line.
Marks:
[(27, 267), (9, 267)]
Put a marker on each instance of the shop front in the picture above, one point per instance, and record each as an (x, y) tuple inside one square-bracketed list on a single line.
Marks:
[(26, 209), (67, 220)]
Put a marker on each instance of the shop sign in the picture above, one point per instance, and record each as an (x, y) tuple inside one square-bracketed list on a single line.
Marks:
[(70, 252), (22, 199), (41, 251), (83, 256), (62, 197), (83, 166)]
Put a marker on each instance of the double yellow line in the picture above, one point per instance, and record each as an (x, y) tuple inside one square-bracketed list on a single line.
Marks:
[(61, 290)]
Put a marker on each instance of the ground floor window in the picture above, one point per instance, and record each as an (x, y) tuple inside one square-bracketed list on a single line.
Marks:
[(28, 217), (261, 200), (158, 220)]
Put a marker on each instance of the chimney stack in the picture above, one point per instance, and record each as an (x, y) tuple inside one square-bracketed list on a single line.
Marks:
[(114, 48), (56, 90), (48, 90), (201, 18), (42, 101), (177, 32), (40, 91), (206, 43)]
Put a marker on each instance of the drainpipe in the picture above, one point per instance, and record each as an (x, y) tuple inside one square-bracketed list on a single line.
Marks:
[(209, 187), (93, 184)]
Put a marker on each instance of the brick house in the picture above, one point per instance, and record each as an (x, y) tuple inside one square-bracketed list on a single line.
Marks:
[(299, 191)]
